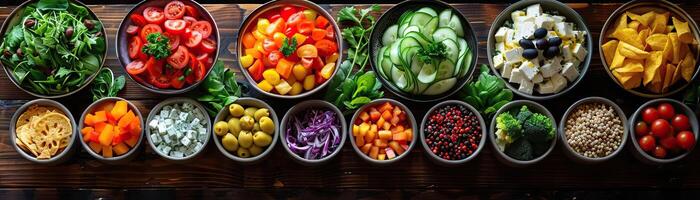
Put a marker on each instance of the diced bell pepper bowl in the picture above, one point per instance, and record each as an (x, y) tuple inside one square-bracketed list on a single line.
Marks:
[(383, 131), (168, 46), (289, 49), (111, 129)]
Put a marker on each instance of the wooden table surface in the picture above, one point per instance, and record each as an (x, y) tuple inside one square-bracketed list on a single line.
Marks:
[(348, 170)]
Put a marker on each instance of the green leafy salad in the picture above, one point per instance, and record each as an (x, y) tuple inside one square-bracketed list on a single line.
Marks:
[(523, 134), (54, 48)]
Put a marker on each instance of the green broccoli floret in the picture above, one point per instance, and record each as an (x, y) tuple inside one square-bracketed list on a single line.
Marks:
[(538, 128), (509, 129), (520, 150), (523, 114)]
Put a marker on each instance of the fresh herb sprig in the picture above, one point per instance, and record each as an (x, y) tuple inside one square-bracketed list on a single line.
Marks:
[(218, 89), (157, 46), (349, 90), (288, 47), (105, 85), (432, 51), (487, 94)]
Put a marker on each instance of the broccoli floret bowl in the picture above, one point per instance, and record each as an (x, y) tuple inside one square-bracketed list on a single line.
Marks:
[(523, 133)]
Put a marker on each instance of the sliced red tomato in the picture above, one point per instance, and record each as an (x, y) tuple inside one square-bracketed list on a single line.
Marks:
[(205, 59), (295, 19), (161, 81), (136, 67), (175, 26), (138, 19), (132, 30), (269, 45), (290, 31), (208, 45), (174, 10), (307, 62), (256, 70), (274, 17), (305, 27), (189, 20), (177, 79), (321, 22), (319, 78), (318, 64), (194, 40), (272, 58), (201, 71), (190, 72), (154, 15), (317, 34), (203, 27), (191, 11), (288, 11), (173, 40), (179, 58), (330, 33), (135, 46), (148, 29), (154, 66), (326, 47), (275, 26)]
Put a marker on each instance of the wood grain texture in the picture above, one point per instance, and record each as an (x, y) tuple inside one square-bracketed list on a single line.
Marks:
[(347, 171)]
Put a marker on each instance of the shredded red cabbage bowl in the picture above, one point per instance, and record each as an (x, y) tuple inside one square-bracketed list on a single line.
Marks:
[(313, 133)]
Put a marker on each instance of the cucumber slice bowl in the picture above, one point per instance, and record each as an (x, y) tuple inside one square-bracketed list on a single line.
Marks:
[(423, 50)]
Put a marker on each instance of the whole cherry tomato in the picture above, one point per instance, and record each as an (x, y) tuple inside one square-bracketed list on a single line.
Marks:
[(681, 123), (641, 129), (650, 114), (647, 143), (686, 140), (666, 111), (660, 128), (660, 152)]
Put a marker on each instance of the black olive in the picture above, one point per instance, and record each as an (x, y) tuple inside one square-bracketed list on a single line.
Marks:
[(555, 41), (19, 52), (530, 53), (551, 52), (29, 23), (7, 53), (526, 44), (69, 32), (88, 24), (541, 44), (540, 33)]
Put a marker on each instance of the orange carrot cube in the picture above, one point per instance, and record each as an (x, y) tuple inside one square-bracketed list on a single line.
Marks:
[(364, 116), (120, 149), (360, 141), (374, 152), (365, 148), (107, 151), (119, 110), (96, 147), (385, 135)]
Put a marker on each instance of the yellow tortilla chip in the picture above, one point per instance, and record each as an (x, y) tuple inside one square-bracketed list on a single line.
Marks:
[(668, 77), (687, 66), (660, 22), (609, 51), (618, 59), (628, 80), (644, 19), (668, 50), (657, 42), (654, 87), (652, 66), (628, 35), (683, 30), (676, 46), (642, 36), (629, 51), (634, 25), (631, 65), (620, 24), (676, 74)]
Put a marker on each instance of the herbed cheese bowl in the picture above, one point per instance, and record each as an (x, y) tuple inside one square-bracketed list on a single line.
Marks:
[(552, 8), (169, 102)]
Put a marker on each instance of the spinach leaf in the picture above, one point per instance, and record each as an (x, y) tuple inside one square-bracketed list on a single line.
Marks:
[(487, 94), (218, 89), (105, 85), (52, 5)]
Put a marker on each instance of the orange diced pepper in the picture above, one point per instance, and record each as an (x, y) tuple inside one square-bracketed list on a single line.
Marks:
[(370, 136), (374, 114), (106, 135), (135, 127), (100, 126), (385, 135), (96, 147), (248, 40), (396, 147), (380, 122), (365, 148), (386, 115), (364, 116), (253, 52), (132, 141), (318, 34), (374, 152), (119, 110), (120, 149), (360, 141), (284, 68), (321, 22), (386, 106), (87, 130), (409, 134), (126, 119), (107, 151), (355, 130), (89, 120), (380, 143), (100, 116), (108, 106), (400, 136)]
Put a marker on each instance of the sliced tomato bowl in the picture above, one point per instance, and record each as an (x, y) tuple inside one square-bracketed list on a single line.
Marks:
[(289, 48), (168, 46)]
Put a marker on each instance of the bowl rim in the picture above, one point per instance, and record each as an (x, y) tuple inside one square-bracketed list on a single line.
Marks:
[(310, 104), (90, 108), (585, 64), (122, 58), (245, 101), (482, 141), (48, 103), (248, 21), (676, 105), (178, 100), (409, 116), (514, 105), (8, 72), (589, 100), (375, 35), (671, 8)]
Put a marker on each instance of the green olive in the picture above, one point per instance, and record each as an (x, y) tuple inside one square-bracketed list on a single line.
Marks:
[(250, 111), (245, 139), (235, 110), (243, 153), (262, 139), (247, 123), (266, 125), (256, 127), (230, 142), (263, 112), (255, 150), (221, 128), (234, 126)]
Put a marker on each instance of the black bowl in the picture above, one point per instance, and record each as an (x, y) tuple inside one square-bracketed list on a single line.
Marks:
[(391, 17)]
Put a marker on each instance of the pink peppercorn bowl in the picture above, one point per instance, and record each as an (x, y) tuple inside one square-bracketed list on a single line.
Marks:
[(446, 162)]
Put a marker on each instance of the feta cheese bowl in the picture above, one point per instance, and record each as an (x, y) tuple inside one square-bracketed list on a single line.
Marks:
[(229, 142), (178, 129), (542, 49)]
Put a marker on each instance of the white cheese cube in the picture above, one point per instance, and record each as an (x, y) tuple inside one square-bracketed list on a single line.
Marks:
[(570, 72), (545, 22), (153, 124), (501, 34), (579, 35), (164, 113), (514, 55), (529, 69), (534, 10), (166, 150), (509, 37), (174, 114), (559, 82), (178, 134), (545, 87), (202, 131), (525, 30), (507, 68), (526, 86), (516, 76), (558, 18), (498, 61), (167, 140), (155, 138), (172, 131), (185, 141), (516, 14), (501, 47), (162, 128), (522, 19), (579, 51), (183, 116), (194, 122), (549, 69), (564, 30), (538, 78), (566, 52), (575, 63)]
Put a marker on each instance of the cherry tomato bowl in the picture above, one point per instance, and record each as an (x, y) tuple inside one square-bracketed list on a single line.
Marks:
[(651, 146), (312, 39), (194, 43)]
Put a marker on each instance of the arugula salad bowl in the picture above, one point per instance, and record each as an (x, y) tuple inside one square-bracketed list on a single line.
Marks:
[(400, 50), (123, 42), (270, 10), (61, 70)]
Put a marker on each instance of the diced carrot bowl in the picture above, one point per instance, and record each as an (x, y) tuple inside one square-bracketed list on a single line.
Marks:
[(383, 131), (111, 128)]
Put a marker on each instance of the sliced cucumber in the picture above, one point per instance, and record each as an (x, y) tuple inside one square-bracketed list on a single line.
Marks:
[(410, 29), (443, 34), (440, 86), (395, 72), (409, 42), (452, 49), (405, 17), (386, 67), (390, 35), (401, 82), (416, 65), (428, 10), (408, 54), (445, 70), (420, 87), (424, 41), (463, 46), (420, 19), (431, 26), (466, 64), (380, 57), (427, 74), (445, 17), (395, 53), (456, 25)]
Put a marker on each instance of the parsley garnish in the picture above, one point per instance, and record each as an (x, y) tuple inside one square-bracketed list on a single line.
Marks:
[(288, 47), (434, 50), (157, 46)]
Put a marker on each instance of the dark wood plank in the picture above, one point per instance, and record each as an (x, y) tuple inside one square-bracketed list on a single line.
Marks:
[(348, 171)]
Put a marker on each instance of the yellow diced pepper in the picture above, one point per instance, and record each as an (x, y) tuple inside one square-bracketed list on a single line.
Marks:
[(265, 86), (299, 72), (327, 70), (262, 25), (283, 87), (296, 88), (271, 76), (309, 82), (246, 61)]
